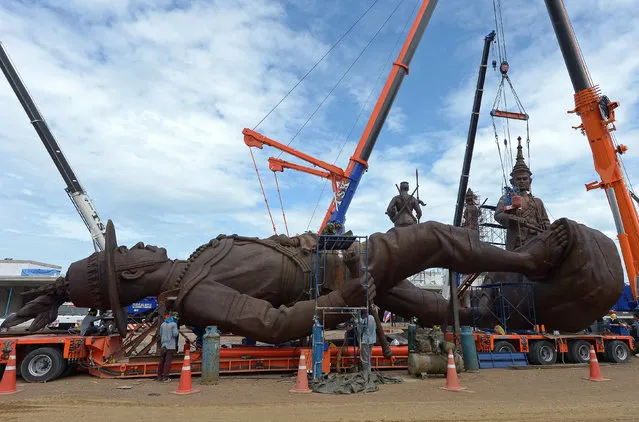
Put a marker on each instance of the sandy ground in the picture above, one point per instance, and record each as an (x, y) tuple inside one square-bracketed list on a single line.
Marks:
[(559, 393)]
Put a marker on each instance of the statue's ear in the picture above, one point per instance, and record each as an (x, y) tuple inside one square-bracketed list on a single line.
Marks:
[(132, 275)]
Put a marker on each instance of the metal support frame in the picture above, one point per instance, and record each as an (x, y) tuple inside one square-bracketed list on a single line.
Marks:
[(330, 245), (499, 306), (490, 231)]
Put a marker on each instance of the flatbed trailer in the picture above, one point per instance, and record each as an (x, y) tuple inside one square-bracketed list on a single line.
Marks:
[(547, 349), (46, 357)]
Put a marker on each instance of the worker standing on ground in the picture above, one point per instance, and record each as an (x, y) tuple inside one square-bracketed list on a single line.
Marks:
[(368, 337), (168, 338)]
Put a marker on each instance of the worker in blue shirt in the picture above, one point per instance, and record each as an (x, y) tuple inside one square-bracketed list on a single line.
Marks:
[(368, 337), (168, 338)]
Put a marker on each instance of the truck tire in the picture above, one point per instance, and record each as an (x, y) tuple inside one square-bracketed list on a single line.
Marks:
[(542, 353), (504, 347), (42, 365), (579, 351), (617, 351)]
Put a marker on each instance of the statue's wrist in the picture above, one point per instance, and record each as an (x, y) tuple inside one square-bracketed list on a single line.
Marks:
[(334, 299)]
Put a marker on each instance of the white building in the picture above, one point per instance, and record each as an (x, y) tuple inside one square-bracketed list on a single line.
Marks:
[(17, 276)]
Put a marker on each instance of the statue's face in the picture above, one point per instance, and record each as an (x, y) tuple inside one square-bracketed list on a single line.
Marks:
[(522, 181), (140, 255)]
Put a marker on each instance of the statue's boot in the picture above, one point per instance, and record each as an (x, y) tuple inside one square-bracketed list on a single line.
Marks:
[(576, 270)]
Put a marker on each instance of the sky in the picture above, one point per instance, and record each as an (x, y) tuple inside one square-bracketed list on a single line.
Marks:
[(148, 99)]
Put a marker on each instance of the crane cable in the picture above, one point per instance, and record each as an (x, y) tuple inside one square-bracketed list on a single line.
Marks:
[(361, 53), (263, 192), (289, 93), (317, 63), (503, 58), (281, 205), (363, 108)]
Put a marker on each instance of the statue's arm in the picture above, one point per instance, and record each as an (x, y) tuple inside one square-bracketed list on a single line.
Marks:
[(501, 216), (544, 215), (417, 208), (391, 205), (211, 303)]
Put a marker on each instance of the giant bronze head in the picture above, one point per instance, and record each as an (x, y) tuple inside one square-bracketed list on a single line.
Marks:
[(521, 176), (110, 279)]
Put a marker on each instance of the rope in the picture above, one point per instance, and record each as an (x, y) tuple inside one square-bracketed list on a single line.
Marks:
[(501, 161), (317, 63), (342, 77), (263, 192), (281, 204), (361, 112)]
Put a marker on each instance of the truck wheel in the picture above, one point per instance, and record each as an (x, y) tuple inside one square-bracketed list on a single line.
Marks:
[(617, 352), (579, 351), (542, 353), (42, 365), (504, 347)]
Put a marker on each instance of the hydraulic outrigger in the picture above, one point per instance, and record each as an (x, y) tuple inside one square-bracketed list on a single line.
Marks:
[(345, 182), (74, 189)]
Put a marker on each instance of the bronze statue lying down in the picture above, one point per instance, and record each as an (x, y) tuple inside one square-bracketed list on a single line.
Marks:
[(259, 288)]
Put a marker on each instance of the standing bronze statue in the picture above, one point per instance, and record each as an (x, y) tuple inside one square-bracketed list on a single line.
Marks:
[(401, 207), (528, 218), (470, 217), (259, 288)]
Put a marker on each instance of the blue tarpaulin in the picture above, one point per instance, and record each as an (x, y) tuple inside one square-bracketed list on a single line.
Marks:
[(26, 272)]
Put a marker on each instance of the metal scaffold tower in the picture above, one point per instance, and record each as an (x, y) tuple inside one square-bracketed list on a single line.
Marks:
[(490, 231), (329, 249)]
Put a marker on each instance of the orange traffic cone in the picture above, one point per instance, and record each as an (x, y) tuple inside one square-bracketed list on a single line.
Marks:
[(185, 386), (8, 383), (595, 373), (452, 382), (301, 384)]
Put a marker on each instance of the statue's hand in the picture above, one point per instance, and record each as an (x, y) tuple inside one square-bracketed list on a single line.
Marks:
[(354, 291)]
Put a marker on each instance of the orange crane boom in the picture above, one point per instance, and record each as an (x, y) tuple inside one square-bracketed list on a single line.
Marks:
[(597, 121)]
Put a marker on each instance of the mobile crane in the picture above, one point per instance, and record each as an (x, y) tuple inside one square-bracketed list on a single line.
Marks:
[(345, 182), (597, 115), (74, 189)]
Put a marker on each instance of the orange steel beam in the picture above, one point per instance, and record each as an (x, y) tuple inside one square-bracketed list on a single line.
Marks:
[(509, 115), (255, 139), (275, 164)]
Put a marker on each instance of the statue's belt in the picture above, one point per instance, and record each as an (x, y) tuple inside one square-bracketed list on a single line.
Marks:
[(224, 244)]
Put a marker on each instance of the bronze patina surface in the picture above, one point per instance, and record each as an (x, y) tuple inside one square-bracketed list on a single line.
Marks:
[(258, 288)]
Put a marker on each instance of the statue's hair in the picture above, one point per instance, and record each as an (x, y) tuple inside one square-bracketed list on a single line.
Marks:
[(42, 306), (55, 288)]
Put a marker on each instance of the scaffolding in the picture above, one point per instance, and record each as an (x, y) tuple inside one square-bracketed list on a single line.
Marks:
[(490, 231), (505, 302), (329, 250)]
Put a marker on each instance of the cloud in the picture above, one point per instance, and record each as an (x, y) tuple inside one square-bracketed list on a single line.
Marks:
[(148, 99)]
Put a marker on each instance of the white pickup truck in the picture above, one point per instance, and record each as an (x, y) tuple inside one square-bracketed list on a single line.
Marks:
[(68, 316)]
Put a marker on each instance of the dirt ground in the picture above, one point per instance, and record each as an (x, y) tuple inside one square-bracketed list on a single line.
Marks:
[(558, 393)]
